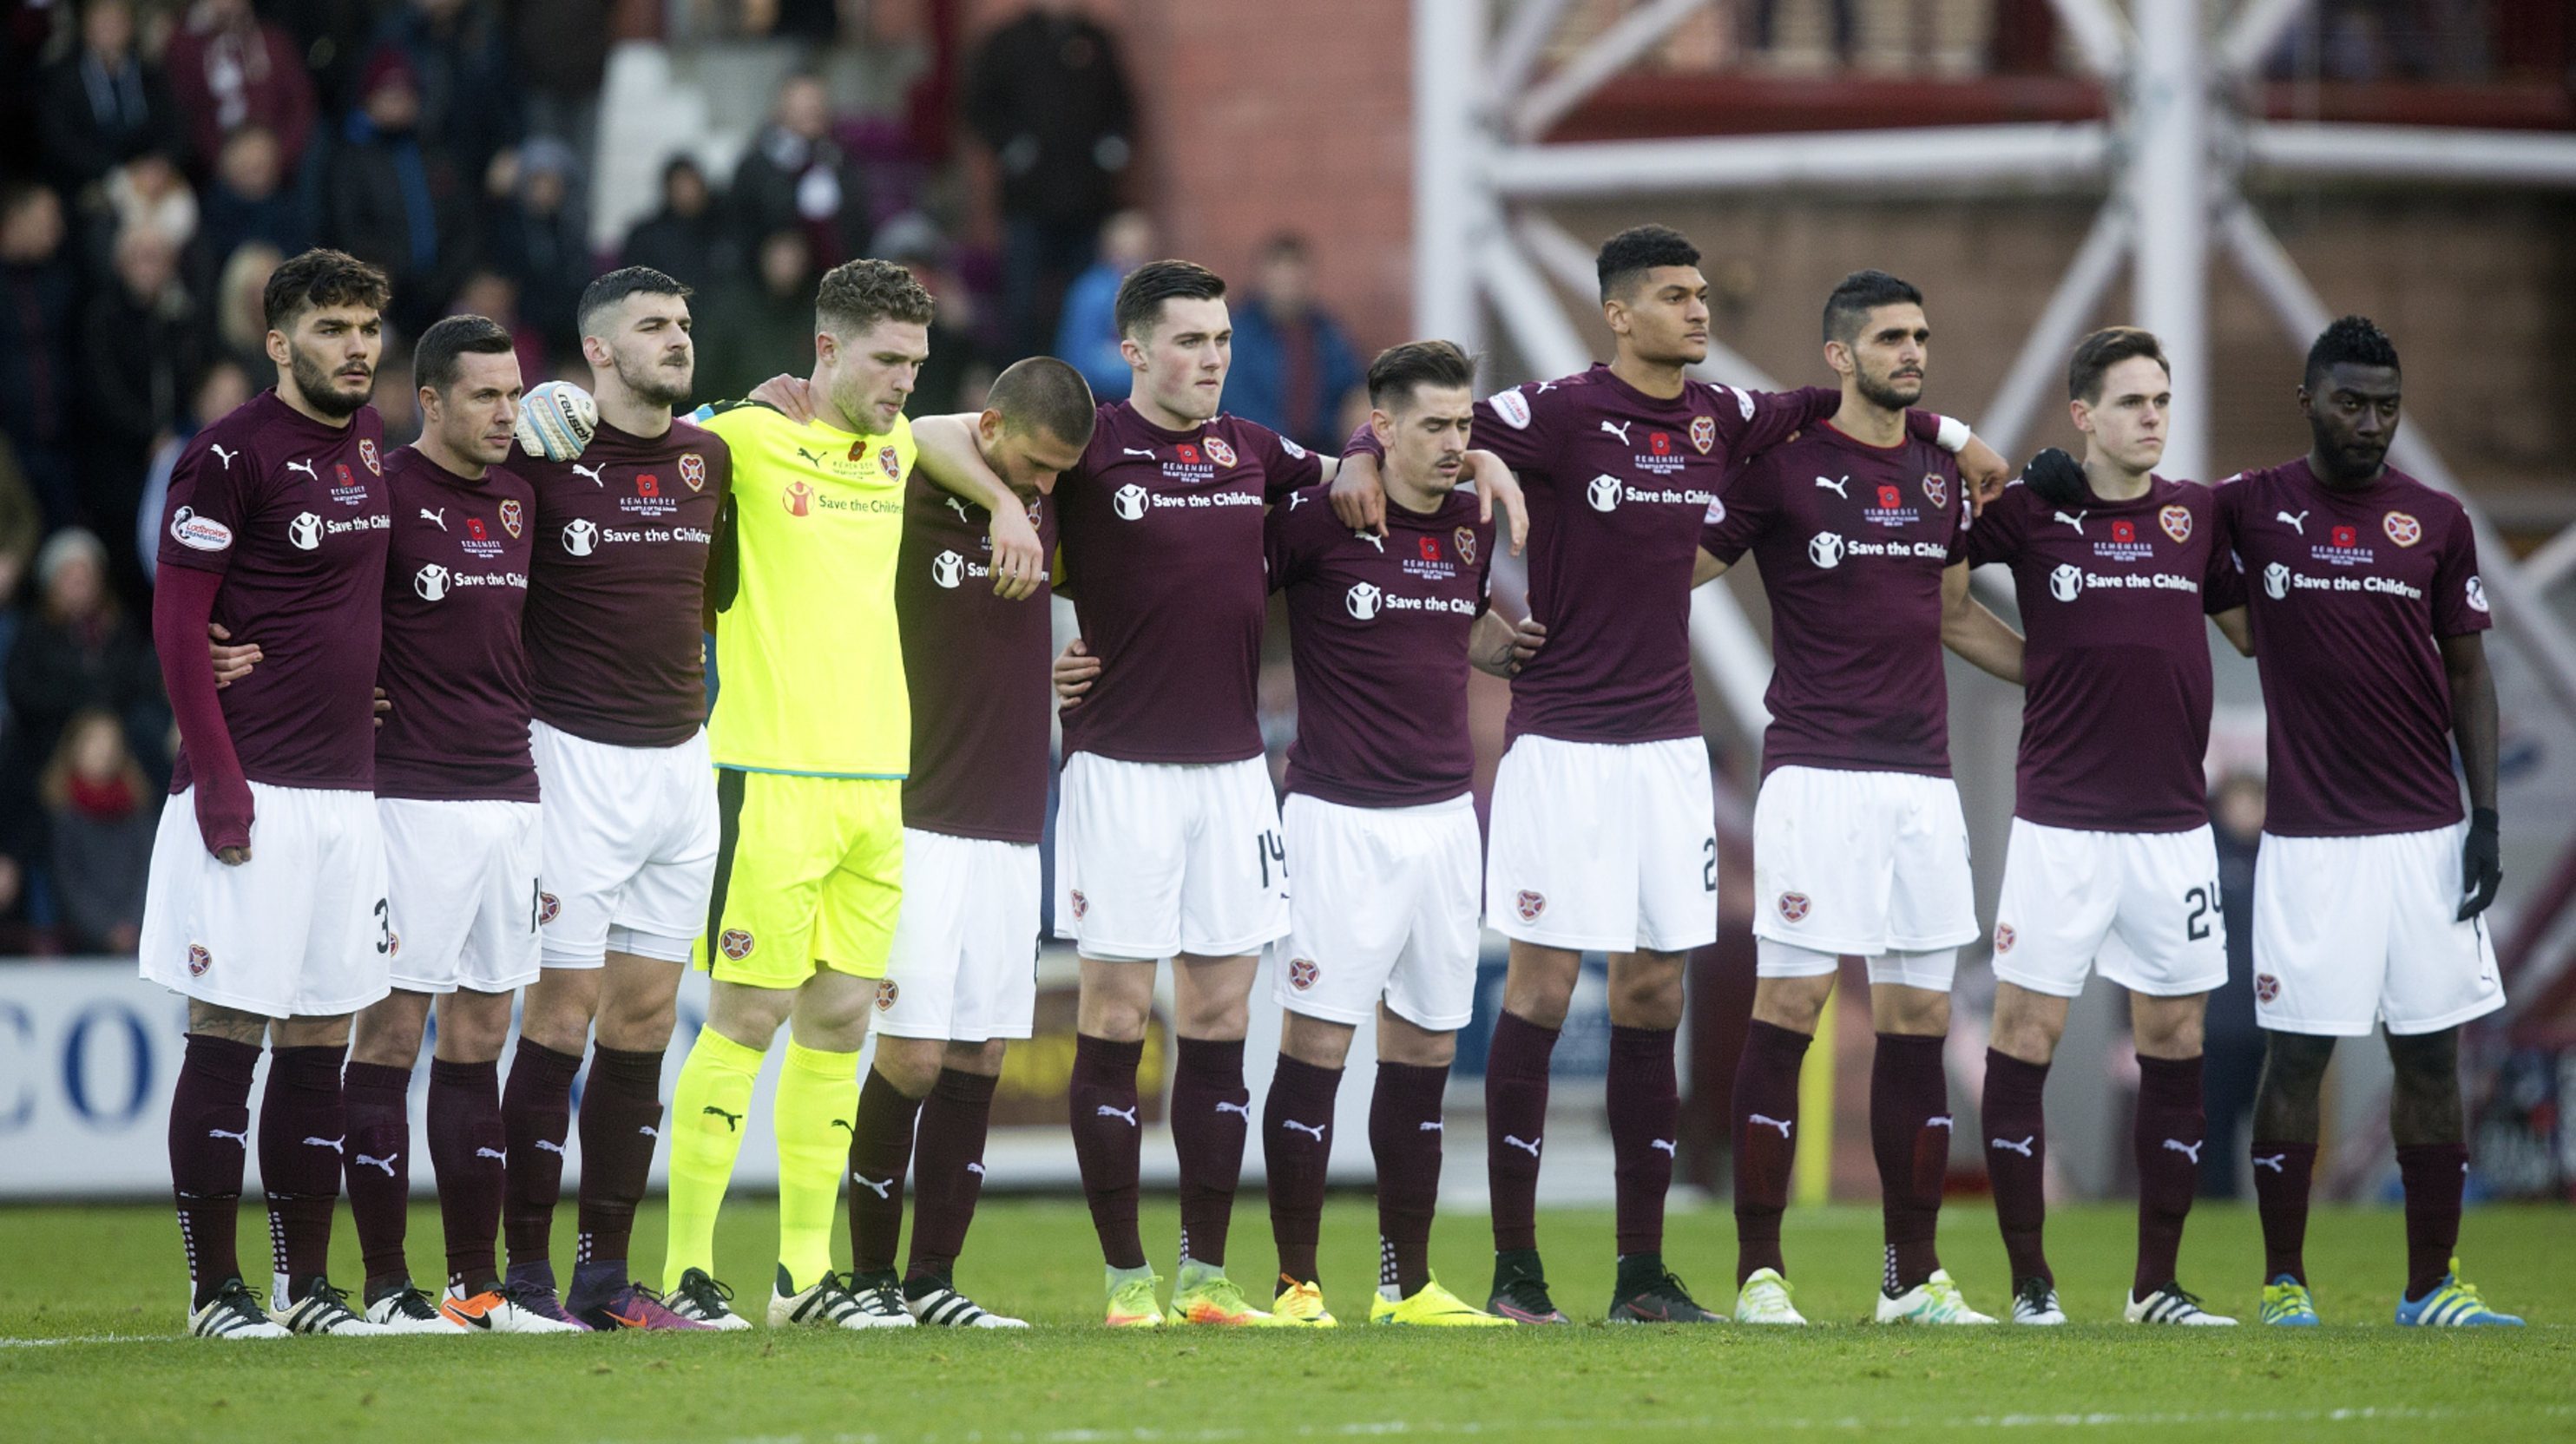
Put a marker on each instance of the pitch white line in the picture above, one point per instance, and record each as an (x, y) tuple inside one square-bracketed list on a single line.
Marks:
[(89, 1339)]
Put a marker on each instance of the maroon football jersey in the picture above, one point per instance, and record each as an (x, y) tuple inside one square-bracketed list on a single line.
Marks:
[(2115, 666), (979, 669), (1163, 559), (614, 631), (2348, 592), (1617, 483), (293, 514), (1377, 632), (456, 582), (1851, 540)]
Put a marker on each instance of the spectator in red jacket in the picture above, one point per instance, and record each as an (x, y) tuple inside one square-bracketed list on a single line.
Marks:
[(227, 69)]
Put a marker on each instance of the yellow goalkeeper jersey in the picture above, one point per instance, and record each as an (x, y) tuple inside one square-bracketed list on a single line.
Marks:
[(808, 663)]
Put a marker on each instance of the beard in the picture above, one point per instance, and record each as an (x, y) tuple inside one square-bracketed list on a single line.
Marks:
[(1887, 394), (321, 387), (652, 385)]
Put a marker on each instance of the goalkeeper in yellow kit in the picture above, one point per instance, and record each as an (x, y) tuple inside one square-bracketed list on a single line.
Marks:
[(811, 739)]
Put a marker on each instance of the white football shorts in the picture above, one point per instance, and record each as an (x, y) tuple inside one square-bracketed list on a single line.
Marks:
[(630, 847), (1857, 864), (1385, 907), (1158, 858), (964, 967), (1608, 846), (463, 879), (2141, 906), (2355, 931), (302, 930)]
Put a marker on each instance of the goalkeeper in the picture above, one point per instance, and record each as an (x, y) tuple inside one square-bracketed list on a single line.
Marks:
[(811, 739)]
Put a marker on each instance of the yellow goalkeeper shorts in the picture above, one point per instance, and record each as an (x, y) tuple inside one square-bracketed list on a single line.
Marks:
[(809, 875)]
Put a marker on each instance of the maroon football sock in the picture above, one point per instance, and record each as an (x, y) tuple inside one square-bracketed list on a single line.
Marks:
[(2435, 1175), (466, 1150), (536, 1116), (2016, 1133), (2168, 1136), (1107, 1137), (948, 1170), (1405, 1130), (1211, 1116), (621, 1121), (303, 1133), (1766, 1118), (1909, 1133), (377, 1099), (1297, 1148), (2281, 1172), (1515, 1123), (1645, 1112), (209, 1150), (880, 1155)]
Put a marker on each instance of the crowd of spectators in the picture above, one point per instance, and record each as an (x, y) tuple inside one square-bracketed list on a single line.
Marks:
[(159, 158)]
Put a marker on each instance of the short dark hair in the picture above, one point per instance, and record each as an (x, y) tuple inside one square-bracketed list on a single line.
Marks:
[(2104, 349), (856, 295), (619, 284), (2351, 340), (1397, 370), (1637, 250), (320, 278), (1860, 293), (435, 360), (1142, 294), (1043, 394)]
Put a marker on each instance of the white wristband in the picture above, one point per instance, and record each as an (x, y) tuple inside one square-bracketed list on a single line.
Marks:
[(1953, 436)]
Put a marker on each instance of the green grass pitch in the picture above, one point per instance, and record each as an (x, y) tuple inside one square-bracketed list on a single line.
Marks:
[(109, 1275)]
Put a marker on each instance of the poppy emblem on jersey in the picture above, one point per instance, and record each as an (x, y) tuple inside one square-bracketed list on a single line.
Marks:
[(2402, 529), (1188, 454), (510, 515), (474, 529), (1081, 904), (1937, 488), (890, 461), (2124, 533), (693, 469), (1889, 498), (648, 484), (1218, 451), (1793, 907), (1430, 548), (1703, 433), (548, 907), (1530, 905), (199, 960), (367, 454), (2177, 522), (799, 498), (2003, 937), (736, 943), (1659, 442), (2267, 988), (1465, 537), (887, 991), (348, 479), (1302, 973), (2344, 536)]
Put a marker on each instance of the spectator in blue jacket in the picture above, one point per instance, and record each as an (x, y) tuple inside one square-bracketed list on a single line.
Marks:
[(1293, 363)]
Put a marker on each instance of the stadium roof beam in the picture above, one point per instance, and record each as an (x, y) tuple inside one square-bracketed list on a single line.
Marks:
[(2060, 157)]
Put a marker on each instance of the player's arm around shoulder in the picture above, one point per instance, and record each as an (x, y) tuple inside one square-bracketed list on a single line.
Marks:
[(1979, 636), (945, 451)]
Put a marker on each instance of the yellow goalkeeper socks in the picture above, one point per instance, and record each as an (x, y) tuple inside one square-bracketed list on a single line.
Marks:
[(818, 1103), (709, 1108)]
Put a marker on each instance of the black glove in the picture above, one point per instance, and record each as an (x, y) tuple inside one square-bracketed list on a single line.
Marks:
[(2055, 477), (2481, 864)]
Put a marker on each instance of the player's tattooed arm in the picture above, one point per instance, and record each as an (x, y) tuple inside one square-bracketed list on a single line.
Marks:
[(1528, 635), (2239, 632), (1493, 644), (2473, 723), (1075, 670), (1977, 635), (954, 464)]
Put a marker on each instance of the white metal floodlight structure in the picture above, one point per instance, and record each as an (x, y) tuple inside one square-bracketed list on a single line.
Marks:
[(2169, 159)]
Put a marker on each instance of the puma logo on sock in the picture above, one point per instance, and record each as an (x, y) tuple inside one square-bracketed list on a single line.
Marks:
[(385, 1163), (2023, 1148), (548, 1145), (1525, 1145), (883, 1190), (1431, 1127), (330, 1143), (1312, 1130), (1663, 1145), (2273, 1162), (1105, 1111), (1764, 1120), (1243, 1108), (2187, 1150), (733, 1121), (491, 1153), (845, 1126), (242, 1138)]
